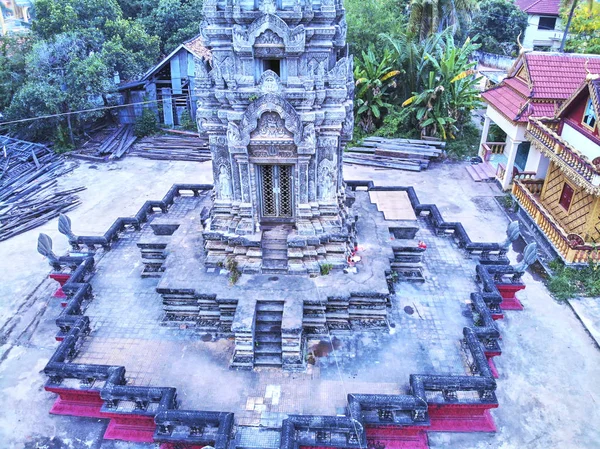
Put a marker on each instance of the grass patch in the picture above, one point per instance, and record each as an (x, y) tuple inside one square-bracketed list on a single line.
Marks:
[(567, 282)]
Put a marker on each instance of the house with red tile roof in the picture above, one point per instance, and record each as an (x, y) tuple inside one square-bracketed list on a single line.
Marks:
[(563, 204), (536, 87), (544, 28)]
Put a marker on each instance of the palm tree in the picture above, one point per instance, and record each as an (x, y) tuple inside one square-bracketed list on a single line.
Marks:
[(428, 17), (573, 4)]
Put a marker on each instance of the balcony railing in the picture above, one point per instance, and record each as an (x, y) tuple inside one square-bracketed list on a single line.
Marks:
[(567, 157), (500, 172), (567, 245), (490, 148)]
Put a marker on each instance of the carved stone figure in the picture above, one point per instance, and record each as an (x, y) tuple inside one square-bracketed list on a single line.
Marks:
[(224, 183)]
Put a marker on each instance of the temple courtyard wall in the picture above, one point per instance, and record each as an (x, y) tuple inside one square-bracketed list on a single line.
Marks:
[(549, 370)]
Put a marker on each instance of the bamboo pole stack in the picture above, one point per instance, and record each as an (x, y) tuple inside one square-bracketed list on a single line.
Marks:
[(29, 193)]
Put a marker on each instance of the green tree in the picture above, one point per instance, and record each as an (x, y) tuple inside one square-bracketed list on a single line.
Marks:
[(373, 78), (62, 77), (585, 30), (12, 66), (367, 19), (428, 17), (571, 5), (173, 21), (498, 25), (124, 44)]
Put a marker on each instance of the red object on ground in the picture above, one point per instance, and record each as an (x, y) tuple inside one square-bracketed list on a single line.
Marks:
[(410, 437), (62, 279), (185, 445), (461, 417), (74, 402), (422, 244), (128, 427), (509, 300), (489, 355)]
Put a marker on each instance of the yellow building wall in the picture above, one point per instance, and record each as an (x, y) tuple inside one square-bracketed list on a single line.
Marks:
[(583, 215)]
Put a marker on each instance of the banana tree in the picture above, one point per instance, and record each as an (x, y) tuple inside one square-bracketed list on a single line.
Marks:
[(373, 79)]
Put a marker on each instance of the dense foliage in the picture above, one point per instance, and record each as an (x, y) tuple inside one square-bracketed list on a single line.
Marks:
[(76, 50), (173, 21), (567, 282), (498, 26), (584, 36)]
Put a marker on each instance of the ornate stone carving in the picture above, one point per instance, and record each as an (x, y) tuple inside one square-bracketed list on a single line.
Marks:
[(268, 37), (225, 190), (326, 180), (270, 126), (293, 39), (271, 103), (270, 83), (233, 135)]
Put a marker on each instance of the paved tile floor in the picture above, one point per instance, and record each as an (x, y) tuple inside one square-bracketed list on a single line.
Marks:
[(426, 324)]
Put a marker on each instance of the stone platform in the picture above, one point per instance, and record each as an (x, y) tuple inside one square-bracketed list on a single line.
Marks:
[(422, 332)]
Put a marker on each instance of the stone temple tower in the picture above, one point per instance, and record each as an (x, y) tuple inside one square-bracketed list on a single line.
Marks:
[(276, 103)]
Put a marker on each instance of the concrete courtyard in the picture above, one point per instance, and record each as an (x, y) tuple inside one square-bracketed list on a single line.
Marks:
[(549, 369)]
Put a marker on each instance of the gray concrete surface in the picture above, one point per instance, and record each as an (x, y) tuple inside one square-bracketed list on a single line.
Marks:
[(549, 369)]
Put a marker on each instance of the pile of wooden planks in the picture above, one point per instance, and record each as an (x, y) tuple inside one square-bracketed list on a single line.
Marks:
[(117, 143), (400, 154), (107, 143), (29, 193), (183, 147)]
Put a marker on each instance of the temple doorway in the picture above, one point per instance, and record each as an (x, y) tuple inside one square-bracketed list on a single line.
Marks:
[(276, 192)]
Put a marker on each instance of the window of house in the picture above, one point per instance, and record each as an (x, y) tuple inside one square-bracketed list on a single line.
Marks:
[(547, 23), (589, 116), (566, 196)]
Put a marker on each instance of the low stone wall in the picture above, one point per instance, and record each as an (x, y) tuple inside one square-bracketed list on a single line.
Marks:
[(150, 414)]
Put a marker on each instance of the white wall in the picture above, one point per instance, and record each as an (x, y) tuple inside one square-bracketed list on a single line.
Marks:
[(580, 142), (515, 132), (534, 37)]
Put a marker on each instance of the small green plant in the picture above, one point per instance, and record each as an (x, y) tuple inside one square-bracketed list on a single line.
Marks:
[(186, 122), (62, 141), (234, 273), (326, 268), (508, 202), (147, 124), (253, 97)]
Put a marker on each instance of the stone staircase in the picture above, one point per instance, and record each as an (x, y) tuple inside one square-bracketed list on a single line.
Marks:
[(274, 249), (267, 334)]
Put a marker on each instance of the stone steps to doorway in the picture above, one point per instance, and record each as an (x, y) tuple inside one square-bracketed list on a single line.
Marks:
[(274, 249), (267, 334)]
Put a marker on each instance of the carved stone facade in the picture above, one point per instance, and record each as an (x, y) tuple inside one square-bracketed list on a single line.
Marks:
[(276, 103)]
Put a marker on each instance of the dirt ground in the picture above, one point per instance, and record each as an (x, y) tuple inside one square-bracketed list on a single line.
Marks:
[(549, 369)]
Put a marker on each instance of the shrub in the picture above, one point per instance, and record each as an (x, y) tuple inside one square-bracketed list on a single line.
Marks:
[(147, 124), (186, 121)]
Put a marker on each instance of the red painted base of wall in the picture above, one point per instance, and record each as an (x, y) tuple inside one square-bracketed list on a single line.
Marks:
[(134, 428), (492, 366), (461, 418), (398, 438), (61, 279), (509, 300), (497, 316), (76, 402), (181, 445), (511, 304)]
